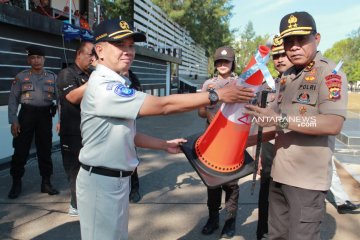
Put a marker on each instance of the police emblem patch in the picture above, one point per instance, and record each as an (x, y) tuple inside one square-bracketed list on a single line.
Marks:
[(124, 91), (333, 82), (304, 97)]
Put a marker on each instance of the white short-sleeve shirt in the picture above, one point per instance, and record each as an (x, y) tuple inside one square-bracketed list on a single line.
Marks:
[(108, 112)]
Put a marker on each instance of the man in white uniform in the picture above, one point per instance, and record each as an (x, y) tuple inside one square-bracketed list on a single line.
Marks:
[(108, 112)]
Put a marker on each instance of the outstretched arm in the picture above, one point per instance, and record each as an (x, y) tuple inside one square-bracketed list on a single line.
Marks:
[(170, 146)]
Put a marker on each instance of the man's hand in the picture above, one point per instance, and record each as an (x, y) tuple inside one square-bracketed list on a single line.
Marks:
[(259, 166), (233, 93), (173, 146), (15, 129), (57, 127), (264, 117)]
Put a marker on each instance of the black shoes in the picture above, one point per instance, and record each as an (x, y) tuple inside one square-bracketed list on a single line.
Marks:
[(228, 230), (134, 196), (348, 207), (15, 189), (47, 188), (212, 223)]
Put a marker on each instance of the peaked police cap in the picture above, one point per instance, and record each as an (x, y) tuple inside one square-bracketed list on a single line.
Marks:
[(115, 30), (297, 23)]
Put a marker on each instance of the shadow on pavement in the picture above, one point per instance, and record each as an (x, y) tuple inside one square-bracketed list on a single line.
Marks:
[(66, 231)]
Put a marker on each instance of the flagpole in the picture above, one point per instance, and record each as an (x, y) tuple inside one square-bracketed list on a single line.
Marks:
[(70, 6), (98, 14)]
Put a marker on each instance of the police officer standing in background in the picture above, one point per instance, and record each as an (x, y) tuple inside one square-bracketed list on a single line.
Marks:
[(72, 82), (224, 63), (35, 90), (311, 108), (281, 64)]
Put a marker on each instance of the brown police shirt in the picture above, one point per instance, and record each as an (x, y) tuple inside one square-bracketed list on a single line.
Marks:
[(305, 160)]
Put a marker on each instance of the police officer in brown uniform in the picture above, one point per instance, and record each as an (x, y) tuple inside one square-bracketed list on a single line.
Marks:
[(35, 90), (310, 110), (224, 63)]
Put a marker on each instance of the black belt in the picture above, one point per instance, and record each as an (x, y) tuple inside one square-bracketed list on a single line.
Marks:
[(106, 171), (27, 107)]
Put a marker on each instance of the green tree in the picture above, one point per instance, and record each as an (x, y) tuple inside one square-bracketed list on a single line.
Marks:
[(246, 46), (347, 50), (116, 9), (206, 20)]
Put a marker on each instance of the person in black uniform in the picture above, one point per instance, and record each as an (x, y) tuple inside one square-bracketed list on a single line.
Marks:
[(35, 90), (72, 82)]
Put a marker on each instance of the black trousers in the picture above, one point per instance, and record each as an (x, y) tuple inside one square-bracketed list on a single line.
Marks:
[(70, 149), (267, 156), (231, 197), (38, 121)]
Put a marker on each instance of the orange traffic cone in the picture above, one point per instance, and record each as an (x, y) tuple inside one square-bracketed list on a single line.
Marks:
[(218, 154)]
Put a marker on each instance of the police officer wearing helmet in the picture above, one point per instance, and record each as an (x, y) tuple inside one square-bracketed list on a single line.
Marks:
[(311, 108), (108, 112), (224, 62), (35, 90)]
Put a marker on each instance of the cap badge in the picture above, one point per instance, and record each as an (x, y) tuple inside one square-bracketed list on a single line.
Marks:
[(224, 52), (292, 22), (278, 41), (124, 25)]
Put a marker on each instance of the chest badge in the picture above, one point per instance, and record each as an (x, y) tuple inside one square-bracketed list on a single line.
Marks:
[(311, 75), (304, 97), (310, 66), (283, 81), (302, 110)]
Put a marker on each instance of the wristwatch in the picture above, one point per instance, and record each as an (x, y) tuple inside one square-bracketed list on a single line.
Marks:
[(283, 122), (213, 96)]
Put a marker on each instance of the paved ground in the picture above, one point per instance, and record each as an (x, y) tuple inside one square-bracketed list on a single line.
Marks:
[(173, 204)]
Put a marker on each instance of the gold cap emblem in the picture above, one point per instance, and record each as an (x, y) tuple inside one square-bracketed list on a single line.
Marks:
[(278, 41), (124, 25), (292, 22)]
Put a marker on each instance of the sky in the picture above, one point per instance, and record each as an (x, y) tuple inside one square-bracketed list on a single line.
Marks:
[(335, 19)]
